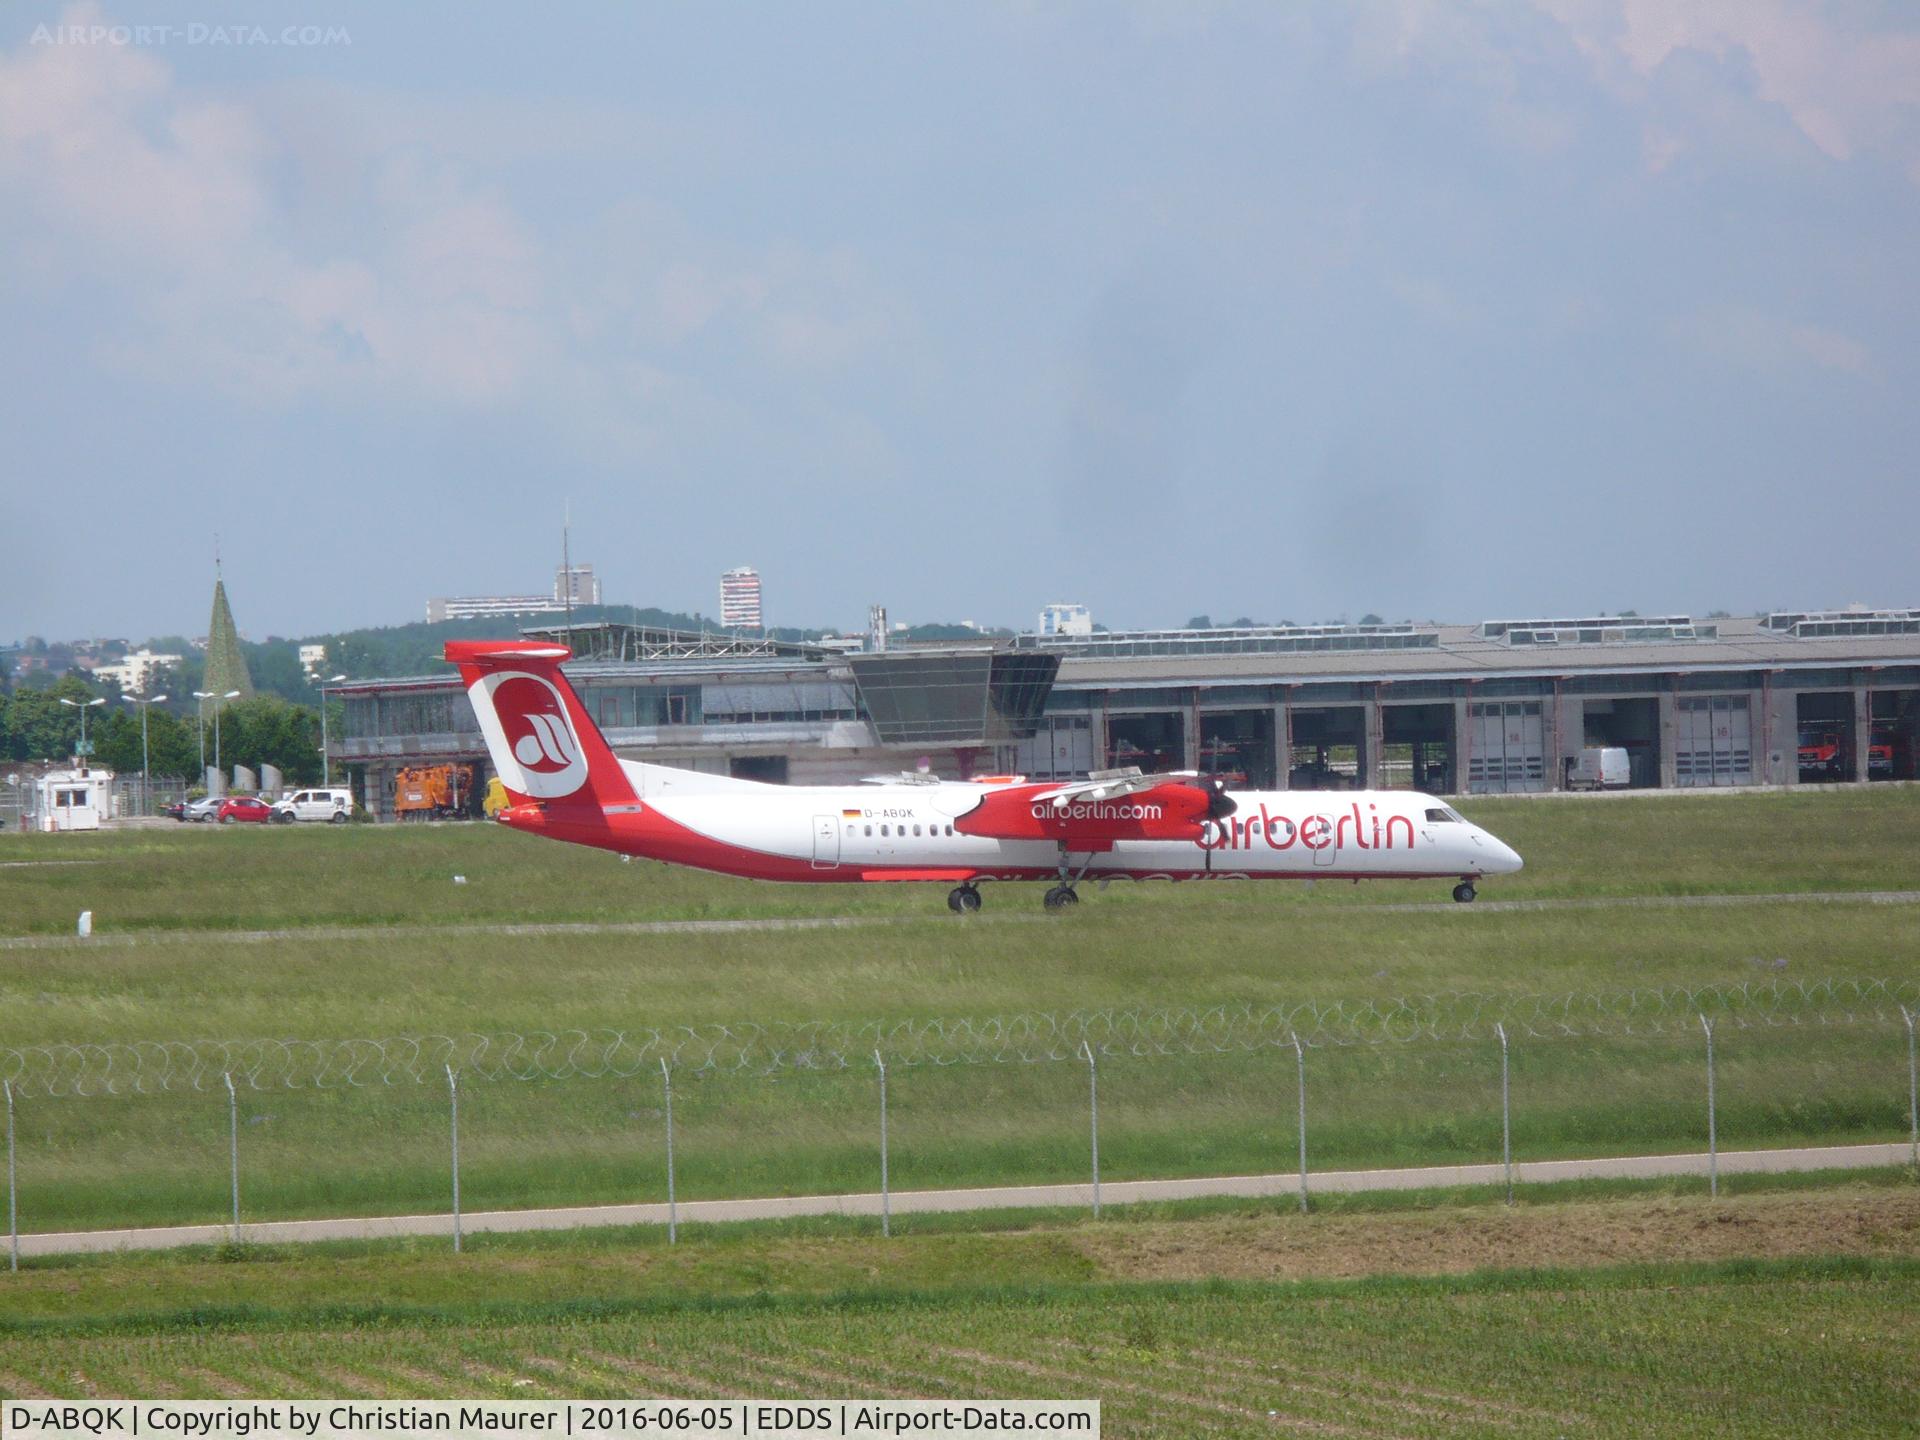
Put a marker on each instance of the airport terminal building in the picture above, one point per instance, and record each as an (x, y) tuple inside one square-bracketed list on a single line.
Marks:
[(1503, 706)]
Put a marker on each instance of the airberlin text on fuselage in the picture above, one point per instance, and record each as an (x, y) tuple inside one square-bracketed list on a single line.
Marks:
[(1315, 832), (1096, 810)]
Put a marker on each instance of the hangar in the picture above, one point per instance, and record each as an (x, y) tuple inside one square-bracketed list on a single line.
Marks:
[(1500, 707)]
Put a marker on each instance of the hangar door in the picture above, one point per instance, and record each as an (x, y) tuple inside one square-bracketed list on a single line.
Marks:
[(1713, 740), (1507, 747)]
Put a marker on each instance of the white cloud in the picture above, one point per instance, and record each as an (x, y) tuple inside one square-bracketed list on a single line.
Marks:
[(1844, 89), (1746, 338), (1831, 350), (284, 247)]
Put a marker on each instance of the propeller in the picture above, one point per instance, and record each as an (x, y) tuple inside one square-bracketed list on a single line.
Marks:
[(1219, 803)]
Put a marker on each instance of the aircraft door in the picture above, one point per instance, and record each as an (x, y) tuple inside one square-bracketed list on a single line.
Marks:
[(1320, 826), (826, 842)]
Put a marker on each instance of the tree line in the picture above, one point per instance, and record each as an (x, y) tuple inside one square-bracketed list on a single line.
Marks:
[(265, 730)]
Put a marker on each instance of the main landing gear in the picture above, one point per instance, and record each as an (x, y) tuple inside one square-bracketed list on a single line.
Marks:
[(1063, 896), (963, 899), (1464, 892)]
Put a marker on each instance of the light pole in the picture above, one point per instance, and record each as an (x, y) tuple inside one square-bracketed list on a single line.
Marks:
[(200, 708), (146, 779), (83, 706), (231, 694), (203, 696), (326, 771)]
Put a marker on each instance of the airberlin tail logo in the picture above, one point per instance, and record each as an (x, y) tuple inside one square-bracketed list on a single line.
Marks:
[(524, 717), (547, 746)]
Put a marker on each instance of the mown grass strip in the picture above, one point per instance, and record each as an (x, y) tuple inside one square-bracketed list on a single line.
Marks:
[(494, 1315)]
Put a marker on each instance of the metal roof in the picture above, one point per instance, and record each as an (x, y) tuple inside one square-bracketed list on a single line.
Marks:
[(1462, 651), (1157, 658)]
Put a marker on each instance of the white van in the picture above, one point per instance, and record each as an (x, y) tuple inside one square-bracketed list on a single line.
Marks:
[(333, 805), (1600, 768)]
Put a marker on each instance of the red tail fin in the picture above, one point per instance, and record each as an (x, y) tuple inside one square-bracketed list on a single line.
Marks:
[(543, 743)]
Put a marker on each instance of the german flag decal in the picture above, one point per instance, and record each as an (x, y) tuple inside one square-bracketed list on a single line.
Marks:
[(850, 814)]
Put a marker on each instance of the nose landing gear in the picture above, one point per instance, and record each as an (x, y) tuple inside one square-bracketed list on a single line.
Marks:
[(1464, 892), (963, 899)]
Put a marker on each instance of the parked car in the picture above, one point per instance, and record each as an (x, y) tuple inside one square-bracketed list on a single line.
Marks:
[(249, 808), (333, 805), (202, 810), (176, 811)]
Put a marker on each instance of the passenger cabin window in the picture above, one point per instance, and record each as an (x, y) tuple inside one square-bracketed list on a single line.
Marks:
[(916, 830), (869, 829)]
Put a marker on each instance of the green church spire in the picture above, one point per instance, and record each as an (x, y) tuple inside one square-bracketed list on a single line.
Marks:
[(226, 666)]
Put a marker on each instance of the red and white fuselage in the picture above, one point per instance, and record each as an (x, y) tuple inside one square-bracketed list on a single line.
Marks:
[(567, 784)]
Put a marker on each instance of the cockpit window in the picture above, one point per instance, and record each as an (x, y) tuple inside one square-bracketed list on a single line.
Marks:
[(1455, 816), (1442, 817)]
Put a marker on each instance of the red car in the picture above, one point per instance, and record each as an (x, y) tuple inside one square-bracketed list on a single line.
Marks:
[(243, 807)]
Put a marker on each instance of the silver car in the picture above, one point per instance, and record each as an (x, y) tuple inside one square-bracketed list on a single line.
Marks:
[(202, 811)]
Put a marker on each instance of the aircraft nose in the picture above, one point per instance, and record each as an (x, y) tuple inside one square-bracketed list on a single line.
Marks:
[(1506, 859)]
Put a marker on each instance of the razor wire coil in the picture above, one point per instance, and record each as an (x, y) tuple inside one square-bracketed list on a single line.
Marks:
[(157, 1067)]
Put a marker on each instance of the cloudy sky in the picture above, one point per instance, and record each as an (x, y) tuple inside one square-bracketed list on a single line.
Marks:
[(1435, 309)]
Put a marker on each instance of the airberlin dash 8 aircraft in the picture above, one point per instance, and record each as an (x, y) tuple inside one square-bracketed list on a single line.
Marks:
[(565, 782)]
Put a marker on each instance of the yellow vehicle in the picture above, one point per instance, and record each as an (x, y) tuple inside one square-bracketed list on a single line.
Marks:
[(496, 798)]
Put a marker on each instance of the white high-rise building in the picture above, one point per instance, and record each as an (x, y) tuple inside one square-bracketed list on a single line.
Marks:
[(1058, 619), (740, 598), (586, 589)]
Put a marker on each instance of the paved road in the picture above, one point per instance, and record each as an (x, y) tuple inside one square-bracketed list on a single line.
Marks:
[(1011, 1197), (848, 922)]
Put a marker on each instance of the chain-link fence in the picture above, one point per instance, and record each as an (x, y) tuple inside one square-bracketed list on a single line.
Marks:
[(1410, 1078)]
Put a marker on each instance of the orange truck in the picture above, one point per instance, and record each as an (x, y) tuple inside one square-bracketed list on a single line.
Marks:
[(432, 792)]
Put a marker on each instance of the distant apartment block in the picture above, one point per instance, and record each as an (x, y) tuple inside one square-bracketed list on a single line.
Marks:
[(580, 579), (1060, 619), (312, 657), (740, 598), (135, 673), (479, 607)]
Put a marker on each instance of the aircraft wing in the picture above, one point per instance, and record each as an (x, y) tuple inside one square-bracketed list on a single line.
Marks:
[(1092, 814), (1111, 784)]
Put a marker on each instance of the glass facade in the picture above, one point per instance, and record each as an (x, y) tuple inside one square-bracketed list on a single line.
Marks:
[(953, 697), (409, 712)]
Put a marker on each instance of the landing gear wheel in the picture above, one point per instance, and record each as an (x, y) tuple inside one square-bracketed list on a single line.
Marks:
[(963, 900), (1060, 897), (1464, 892)]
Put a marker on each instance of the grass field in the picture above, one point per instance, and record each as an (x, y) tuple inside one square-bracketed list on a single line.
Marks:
[(431, 958), (319, 876), (1786, 1308), (1790, 1310)]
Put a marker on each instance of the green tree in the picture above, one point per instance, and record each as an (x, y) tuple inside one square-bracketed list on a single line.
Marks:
[(39, 727), (173, 747), (268, 730)]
